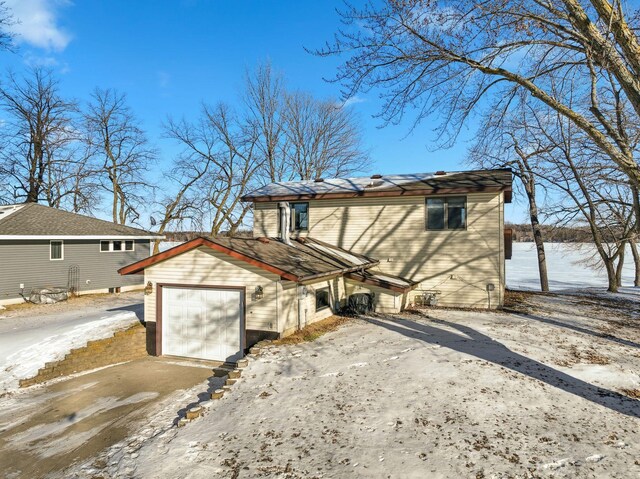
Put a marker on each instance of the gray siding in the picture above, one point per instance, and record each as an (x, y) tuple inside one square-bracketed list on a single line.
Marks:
[(27, 262)]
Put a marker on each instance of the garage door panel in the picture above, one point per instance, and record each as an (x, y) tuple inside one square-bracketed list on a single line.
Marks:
[(202, 323)]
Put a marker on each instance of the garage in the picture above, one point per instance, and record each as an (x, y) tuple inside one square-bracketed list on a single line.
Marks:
[(202, 322)]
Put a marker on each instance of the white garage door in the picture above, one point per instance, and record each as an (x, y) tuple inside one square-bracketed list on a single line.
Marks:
[(201, 323)]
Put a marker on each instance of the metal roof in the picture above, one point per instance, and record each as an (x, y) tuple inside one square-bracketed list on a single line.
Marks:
[(386, 185)]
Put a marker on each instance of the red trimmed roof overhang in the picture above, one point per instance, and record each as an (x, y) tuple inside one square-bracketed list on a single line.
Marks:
[(139, 267), (379, 194), (196, 243)]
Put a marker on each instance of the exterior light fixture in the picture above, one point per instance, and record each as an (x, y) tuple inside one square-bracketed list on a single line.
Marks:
[(259, 294), (148, 289)]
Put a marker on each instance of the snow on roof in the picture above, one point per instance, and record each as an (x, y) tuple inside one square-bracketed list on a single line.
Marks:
[(404, 183), (339, 185), (334, 251), (6, 210)]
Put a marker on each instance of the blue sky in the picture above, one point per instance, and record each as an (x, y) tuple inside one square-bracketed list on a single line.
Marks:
[(170, 55)]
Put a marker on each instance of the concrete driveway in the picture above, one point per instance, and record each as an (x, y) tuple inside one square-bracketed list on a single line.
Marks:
[(45, 429)]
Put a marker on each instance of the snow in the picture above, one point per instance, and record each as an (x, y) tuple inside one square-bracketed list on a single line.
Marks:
[(563, 265), (31, 337), (532, 393)]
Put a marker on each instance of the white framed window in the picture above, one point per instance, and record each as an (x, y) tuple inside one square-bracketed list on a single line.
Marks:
[(56, 250), (299, 216), (110, 246)]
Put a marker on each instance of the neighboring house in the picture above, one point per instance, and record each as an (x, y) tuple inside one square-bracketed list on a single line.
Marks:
[(399, 240), (43, 247)]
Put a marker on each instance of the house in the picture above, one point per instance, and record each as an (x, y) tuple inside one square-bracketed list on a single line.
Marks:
[(44, 247), (397, 240)]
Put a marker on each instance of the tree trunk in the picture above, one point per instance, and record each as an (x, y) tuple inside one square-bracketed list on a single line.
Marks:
[(636, 260), (537, 237), (611, 275), (529, 182), (620, 265)]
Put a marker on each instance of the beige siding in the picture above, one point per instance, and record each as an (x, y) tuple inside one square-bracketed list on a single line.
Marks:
[(308, 306), (204, 266), (459, 264), (385, 301)]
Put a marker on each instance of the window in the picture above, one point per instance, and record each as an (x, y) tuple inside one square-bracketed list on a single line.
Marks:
[(299, 216), (56, 250), (322, 298), (447, 213), (117, 245)]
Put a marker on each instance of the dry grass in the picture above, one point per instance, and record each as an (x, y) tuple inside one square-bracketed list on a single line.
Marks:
[(517, 301), (632, 393), (314, 331)]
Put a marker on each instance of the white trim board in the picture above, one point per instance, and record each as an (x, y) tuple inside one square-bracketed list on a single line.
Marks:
[(78, 237)]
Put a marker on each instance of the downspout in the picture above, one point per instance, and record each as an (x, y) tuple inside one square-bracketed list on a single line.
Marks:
[(301, 292), (501, 257), (283, 218), (278, 286)]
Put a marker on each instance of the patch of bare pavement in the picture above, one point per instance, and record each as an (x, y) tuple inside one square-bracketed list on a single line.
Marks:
[(46, 428), (544, 390)]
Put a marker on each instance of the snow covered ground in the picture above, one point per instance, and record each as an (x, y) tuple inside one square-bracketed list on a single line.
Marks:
[(35, 335), (564, 268), (544, 390)]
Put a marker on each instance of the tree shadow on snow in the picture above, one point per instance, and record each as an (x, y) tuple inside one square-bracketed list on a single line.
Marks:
[(579, 329), (481, 346)]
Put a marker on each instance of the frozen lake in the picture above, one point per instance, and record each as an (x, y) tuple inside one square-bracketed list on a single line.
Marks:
[(563, 267)]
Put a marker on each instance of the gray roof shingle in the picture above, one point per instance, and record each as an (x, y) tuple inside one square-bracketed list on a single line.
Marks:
[(32, 219)]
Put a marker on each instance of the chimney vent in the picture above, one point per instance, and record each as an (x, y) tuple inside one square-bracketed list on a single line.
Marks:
[(319, 180), (441, 173), (376, 176)]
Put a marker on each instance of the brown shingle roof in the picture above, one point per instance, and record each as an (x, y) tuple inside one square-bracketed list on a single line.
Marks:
[(32, 219), (303, 260), (416, 184)]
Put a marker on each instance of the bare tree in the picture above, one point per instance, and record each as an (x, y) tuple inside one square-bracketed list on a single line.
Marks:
[(450, 58), (299, 136), (323, 138), (507, 140), (121, 154), (595, 191), (182, 204), (225, 147), (36, 139), (6, 21), (264, 101)]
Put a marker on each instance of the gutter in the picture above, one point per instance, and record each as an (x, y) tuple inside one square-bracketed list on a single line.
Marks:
[(80, 237)]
